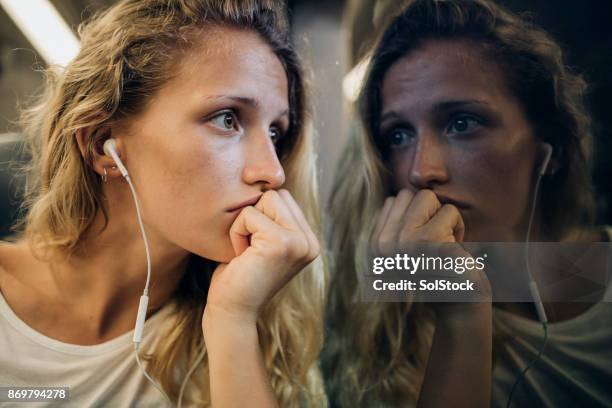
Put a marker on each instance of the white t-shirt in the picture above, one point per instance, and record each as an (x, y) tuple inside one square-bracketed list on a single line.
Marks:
[(102, 375), (576, 366)]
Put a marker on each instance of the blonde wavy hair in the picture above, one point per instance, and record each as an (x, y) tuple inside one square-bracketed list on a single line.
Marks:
[(376, 353), (127, 53)]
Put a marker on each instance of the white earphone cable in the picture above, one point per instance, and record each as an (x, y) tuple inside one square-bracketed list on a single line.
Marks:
[(534, 293), (142, 310), (109, 148), (144, 234)]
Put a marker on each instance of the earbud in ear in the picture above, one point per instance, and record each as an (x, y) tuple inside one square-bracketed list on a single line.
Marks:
[(549, 152), (109, 146), (110, 149)]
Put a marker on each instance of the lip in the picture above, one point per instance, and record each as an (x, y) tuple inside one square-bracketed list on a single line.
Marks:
[(244, 204), (447, 200)]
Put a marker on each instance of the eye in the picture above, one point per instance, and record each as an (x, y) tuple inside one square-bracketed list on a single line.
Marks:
[(464, 124), (397, 138), (275, 134), (225, 120)]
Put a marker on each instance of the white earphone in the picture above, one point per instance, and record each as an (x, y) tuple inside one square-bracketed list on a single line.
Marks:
[(549, 152), (110, 149)]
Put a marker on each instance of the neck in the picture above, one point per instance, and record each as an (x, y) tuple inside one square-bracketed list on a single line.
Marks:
[(102, 280)]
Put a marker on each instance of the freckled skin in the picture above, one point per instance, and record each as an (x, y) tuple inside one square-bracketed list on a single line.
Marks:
[(490, 168), (186, 170)]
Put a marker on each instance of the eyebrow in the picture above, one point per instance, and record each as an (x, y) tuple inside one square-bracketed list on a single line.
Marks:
[(440, 106), (242, 99), (254, 103)]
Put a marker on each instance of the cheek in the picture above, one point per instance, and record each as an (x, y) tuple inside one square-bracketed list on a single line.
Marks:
[(498, 183), (199, 174), (400, 166), (199, 184), (187, 199)]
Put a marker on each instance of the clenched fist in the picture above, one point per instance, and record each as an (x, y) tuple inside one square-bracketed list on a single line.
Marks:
[(273, 242)]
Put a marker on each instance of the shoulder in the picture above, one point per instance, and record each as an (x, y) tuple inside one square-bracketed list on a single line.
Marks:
[(21, 283), (10, 255), (8, 260), (6, 249), (16, 265)]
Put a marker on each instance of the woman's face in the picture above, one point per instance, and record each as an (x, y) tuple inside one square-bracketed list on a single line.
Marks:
[(454, 127), (205, 144)]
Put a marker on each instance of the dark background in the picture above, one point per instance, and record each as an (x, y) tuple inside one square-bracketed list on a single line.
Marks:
[(584, 30)]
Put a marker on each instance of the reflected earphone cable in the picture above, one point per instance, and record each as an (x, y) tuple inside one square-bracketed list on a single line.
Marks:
[(533, 287), (111, 150)]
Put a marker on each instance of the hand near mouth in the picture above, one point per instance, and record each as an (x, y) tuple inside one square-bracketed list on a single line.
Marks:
[(417, 222), (273, 242)]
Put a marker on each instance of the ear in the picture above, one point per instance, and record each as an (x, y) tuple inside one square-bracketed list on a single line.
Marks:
[(91, 141)]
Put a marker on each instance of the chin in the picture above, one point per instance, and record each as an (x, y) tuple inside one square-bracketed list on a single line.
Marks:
[(221, 252), (224, 257)]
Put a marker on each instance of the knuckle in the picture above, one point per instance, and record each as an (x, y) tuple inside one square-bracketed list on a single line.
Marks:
[(288, 244), (451, 209), (299, 248), (283, 244), (314, 250)]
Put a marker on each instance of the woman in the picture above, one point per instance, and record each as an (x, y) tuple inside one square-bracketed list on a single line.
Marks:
[(207, 106), (460, 101)]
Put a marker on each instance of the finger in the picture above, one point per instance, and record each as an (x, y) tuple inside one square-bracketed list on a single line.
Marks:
[(392, 227), (313, 241), (446, 225), (273, 206), (383, 215), (381, 220), (250, 221), (423, 207)]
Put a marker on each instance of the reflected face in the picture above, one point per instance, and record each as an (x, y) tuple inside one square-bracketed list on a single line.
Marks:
[(454, 127), (204, 147)]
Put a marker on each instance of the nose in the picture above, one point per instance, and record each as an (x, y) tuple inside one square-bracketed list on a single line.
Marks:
[(262, 165), (428, 162)]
